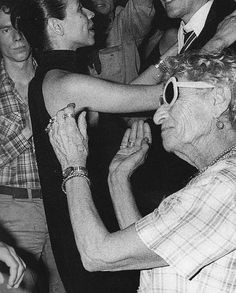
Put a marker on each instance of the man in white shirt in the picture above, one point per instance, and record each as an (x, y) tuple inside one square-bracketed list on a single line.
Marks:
[(202, 17)]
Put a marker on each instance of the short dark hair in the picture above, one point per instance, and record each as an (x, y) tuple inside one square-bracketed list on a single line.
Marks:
[(30, 17), (7, 5)]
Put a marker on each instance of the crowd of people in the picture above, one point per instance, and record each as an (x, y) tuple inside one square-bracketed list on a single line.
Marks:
[(64, 230)]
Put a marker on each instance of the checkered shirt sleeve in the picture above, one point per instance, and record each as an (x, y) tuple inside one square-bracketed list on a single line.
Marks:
[(18, 165), (13, 143), (195, 227)]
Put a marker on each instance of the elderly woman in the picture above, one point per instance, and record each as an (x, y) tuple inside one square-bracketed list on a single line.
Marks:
[(188, 244)]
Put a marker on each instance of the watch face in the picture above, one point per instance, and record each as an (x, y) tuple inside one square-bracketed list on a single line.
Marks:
[(67, 172)]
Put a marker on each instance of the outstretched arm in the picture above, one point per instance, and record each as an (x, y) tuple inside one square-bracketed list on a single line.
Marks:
[(132, 154), (154, 73), (61, 88)]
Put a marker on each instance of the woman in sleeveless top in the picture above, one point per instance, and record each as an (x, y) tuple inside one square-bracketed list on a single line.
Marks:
[(56, 29)]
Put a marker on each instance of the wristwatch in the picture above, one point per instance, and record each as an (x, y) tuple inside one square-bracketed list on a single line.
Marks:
[(72, 170)]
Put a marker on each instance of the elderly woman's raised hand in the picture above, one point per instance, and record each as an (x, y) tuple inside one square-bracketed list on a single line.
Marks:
[(14, 262), (69, 140), (133, 149)]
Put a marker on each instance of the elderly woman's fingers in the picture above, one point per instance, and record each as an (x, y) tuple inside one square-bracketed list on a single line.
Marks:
[(82, 125), (69, 140), (140, 133), (133, 134), (125, 139), (147, 133)]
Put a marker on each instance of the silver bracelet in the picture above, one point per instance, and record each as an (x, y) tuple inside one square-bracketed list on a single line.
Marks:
[(71, 169), (74, 174), (161, 66)]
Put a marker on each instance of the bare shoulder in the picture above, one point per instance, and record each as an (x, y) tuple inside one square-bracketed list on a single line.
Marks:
[(62, 87)]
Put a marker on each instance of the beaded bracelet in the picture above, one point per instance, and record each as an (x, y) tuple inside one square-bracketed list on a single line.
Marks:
[(75, 174)]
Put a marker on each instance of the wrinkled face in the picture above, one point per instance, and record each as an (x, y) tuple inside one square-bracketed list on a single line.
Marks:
[(187, 121), (183, 9), (13, 45), (104, 6), (78, 26)]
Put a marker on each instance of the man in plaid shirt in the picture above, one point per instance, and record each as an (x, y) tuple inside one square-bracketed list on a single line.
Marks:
[(22, 218)]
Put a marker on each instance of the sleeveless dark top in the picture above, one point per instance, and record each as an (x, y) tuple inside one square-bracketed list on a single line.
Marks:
[(73, 275)]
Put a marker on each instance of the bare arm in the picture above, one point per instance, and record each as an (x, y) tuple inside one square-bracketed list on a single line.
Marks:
[(153, 75), (61, 88), (132, 154), (224, 37), (99, 249)]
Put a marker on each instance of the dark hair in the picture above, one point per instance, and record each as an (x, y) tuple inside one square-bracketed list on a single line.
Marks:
[(31, 16), (7, 5)]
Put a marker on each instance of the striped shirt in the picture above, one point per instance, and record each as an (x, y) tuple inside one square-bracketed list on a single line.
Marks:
[(194, 231), (18, 165)]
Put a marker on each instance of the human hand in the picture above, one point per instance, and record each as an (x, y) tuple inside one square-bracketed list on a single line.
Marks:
[(225, 35), (133, 149), (69, 140), (15, 263)]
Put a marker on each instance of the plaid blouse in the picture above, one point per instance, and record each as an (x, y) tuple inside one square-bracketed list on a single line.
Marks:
[(194, 231), (18, 165)]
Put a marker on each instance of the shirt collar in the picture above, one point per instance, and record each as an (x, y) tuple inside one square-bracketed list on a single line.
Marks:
[(5, 76), (196, 23)]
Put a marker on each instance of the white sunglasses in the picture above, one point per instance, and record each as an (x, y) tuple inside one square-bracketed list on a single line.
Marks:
[(171, 92)]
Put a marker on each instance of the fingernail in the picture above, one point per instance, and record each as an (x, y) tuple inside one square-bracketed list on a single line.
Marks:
[(71, 105), (146, 139)]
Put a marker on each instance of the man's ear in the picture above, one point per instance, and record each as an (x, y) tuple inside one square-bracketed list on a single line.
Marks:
[(55, 26), (222, 98)]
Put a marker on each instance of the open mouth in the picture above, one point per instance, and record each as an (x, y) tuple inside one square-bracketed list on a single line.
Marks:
[(19, 48), (100, 6)]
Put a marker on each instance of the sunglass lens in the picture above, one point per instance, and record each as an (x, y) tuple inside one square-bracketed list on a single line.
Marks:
[(169, 93)]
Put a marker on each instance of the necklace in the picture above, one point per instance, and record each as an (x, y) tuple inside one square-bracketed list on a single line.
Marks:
[(224, 155)]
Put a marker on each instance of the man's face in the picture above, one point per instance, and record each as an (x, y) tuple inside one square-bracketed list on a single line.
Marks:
[(183, 9), (13, 45), (104, 6)]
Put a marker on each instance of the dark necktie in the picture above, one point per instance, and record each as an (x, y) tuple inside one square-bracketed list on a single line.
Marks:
[(189, 37)]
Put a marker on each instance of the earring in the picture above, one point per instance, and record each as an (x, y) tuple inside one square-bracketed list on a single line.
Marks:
[(219, 124)]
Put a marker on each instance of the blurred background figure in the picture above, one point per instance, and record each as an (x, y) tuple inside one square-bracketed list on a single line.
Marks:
[(119, 31)]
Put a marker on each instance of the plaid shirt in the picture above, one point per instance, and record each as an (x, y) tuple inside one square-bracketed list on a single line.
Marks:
[(18, 165), (194, 231)]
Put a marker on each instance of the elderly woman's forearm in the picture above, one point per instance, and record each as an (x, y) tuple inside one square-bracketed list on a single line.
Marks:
[(89, 231), (123, 200)]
